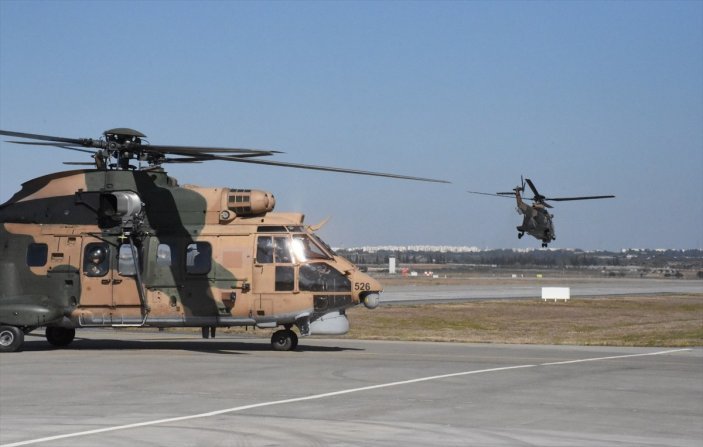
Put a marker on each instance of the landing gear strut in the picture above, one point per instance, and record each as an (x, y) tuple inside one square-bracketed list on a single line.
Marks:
[(284, 340), (520, 235)]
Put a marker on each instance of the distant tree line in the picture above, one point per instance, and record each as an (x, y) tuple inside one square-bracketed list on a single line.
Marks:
[(681, 259)]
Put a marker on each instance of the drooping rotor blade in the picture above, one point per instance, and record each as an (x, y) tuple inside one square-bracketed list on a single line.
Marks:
[(78, 163), (564, 199), (62, 146), (32, 136), (326, 168), (183, 160), (197, 150), (506, 195)]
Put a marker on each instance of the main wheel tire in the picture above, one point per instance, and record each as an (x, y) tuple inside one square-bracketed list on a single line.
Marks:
[(60, 336), (283, 340), (11, 338)]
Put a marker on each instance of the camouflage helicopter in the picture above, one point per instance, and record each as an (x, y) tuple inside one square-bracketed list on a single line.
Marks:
[(119, 245), (537, 221)]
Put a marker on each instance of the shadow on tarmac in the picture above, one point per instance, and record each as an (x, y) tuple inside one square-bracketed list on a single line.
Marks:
[(36, 342)]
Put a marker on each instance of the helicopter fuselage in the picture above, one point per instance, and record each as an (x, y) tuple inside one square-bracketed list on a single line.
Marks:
[(537, 221), (115, 248)]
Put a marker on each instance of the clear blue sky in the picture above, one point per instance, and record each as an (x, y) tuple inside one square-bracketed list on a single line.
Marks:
[(582, 97)]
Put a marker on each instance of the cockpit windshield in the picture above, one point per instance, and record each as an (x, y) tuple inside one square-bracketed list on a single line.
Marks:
[(323, 244), (306, 247)]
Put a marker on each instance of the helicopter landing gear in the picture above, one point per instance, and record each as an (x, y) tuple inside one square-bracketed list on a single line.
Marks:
[(208, 331), (11, 338), (544, 245), (60, 336), (284, 340), (520, 234)]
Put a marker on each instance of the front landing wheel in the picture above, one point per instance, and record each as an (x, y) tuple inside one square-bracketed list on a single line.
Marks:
[(11, 338), (60, 336), (284, 340)]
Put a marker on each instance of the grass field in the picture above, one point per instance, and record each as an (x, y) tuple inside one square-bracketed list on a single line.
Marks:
[(670, 320)]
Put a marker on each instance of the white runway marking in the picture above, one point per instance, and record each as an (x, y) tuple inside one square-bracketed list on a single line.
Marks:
[(321, 396)]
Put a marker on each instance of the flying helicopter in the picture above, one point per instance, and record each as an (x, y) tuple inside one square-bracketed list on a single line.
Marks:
[(537, 221), (122, 244)]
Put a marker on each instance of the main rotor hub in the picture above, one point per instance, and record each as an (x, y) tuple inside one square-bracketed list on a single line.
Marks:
[(124, 145), (123, 132)]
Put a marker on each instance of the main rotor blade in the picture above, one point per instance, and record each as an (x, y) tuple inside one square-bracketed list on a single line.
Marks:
[(62, 146), (184, 160), (32, 136), (505, 195), (564, 199), (197, 150), (326, 168), (534, 190)]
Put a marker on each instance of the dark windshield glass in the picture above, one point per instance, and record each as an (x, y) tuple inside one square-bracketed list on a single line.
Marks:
[(320, 277)]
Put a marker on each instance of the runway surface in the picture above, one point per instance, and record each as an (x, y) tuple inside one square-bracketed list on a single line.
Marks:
[(115, 388), (531, 288)]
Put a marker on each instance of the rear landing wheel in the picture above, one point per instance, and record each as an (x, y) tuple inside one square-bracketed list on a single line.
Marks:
[(284, 340), (11, 338), (60, 336)]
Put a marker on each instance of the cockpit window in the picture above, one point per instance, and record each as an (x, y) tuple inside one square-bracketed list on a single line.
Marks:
[(282, 250), (323, 244), (305, 249), (264, 250), (271, 249), (320, 277), (271, 229)]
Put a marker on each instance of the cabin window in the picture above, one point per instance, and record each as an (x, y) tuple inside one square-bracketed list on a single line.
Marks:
[(163, 255), (320, 277), (96, 259), (37, 255), (198, 258), (285, 278), (126, 264)]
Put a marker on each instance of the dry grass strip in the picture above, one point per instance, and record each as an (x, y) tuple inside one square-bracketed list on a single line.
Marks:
[(671, 320)]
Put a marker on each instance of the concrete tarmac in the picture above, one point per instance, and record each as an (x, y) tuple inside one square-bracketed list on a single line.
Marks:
[(148, 388)]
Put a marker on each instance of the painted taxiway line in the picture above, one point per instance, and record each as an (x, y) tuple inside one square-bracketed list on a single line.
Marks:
[(322, 396)]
